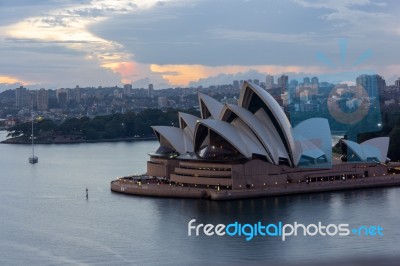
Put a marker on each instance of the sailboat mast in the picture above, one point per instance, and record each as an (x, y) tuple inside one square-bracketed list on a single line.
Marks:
[(33, 150)]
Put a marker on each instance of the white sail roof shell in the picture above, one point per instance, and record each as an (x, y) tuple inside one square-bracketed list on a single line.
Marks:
[(248, 90), (176, 136), (356, 148), (372, 148), (268, 138), (378, 147), (190, 121), (213, 106), (234, 135), (312, 138)]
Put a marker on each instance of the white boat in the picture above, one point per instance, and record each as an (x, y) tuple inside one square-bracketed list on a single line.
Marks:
[(33, 159)]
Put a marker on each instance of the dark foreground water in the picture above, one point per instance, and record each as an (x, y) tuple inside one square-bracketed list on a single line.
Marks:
[(45, 218)]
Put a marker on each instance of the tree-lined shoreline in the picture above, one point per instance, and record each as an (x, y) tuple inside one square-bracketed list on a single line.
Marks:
[(137, 126), (109, 128)]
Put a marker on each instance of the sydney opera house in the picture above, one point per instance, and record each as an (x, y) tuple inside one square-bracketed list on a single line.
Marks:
[(252, 150)]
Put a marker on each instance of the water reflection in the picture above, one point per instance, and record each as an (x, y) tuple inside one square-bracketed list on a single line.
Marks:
[(45, 215)]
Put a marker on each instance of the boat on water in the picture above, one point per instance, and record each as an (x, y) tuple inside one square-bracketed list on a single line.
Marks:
[(33, 159)]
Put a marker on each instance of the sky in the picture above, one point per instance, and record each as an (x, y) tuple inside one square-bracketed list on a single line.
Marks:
[(171, 43)]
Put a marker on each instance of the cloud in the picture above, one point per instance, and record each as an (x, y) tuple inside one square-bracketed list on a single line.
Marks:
[(244, 35), (183, 74), (6, 80), (68, 26), (250, 33), (179, 41), (354, 16)]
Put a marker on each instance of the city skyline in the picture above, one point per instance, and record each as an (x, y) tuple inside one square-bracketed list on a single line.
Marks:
[(55, 44)]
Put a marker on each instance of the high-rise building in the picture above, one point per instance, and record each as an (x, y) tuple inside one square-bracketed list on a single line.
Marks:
[(78, 94), (256, 81), (42, 100), (117, 94), (283, 82), (162, 102), (306, 81), (269, 82), (314, 80), (397, 83), (127, 89), (151, 91), (21, 97), (236, 84), (314, 85), (370, 84), (285, 99), (32, 99), (293, 83), (62, 98), (292, 88), (70, 94), (304, 96)]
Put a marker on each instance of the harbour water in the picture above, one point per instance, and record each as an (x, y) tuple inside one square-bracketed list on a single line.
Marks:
[(47, 220)]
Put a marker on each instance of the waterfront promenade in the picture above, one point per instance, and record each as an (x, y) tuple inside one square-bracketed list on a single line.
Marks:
[(154, 188)]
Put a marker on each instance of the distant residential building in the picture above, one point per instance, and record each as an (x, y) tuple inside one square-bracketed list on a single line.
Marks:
[(117, 94), (353, 103), (236, 84), (10, 122), (70, 94), (397, 83), (283, 82), (21, 97), (162, 102), (269, 82), (127, 89), (78, 94), (293, 83), (390, 102), (32, 99), (304, 96), (292, 88), (62, 98), (42, 100), (227, 100), (285, 99), (151, 91), (370, 84), (341, 91), (314, 83)]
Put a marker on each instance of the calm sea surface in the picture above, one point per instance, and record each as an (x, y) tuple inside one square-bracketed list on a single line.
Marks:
[(45, 218)]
